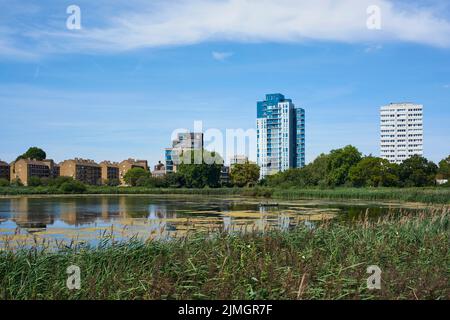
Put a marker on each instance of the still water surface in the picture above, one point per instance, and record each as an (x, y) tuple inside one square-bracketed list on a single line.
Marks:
[(87, 219)]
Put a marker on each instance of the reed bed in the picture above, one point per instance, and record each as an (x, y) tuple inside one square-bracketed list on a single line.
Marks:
[(325, 262), (425, 195)]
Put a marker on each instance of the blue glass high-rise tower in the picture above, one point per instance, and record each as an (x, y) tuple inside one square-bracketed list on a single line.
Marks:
[(280, 135)]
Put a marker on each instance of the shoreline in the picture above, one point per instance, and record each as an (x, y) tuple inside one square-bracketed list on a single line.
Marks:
[(437, 195), (281, 202)]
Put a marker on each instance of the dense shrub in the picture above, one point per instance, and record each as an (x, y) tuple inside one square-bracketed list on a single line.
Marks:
[(73, 187), (111, 182), (4, 183), (134, 175), (16, 183), (346, 167), (34, 181)]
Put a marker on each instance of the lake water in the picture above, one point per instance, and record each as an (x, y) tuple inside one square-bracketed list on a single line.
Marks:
[(28, 220)]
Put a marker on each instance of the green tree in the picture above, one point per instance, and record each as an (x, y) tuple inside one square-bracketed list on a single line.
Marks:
[(143, 181), (33, 153), (312, 174), (292, 177), (417, 172), (34, 182), (444, 168), (111, 182), (73, 187), (173, 180), (339, 163), (133, 175), (59, 181), (245, 174), (4, 183), (316, 172), (200, 168), (16, 183), (374, 172)]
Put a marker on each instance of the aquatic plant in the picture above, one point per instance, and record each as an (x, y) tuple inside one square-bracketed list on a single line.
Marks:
[(327, 262)]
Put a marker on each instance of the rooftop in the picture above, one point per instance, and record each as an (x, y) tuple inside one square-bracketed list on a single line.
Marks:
[(109, 163), (81, 161), (45, 162)]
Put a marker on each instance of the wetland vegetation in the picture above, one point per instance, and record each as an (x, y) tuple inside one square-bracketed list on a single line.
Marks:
[(328, 261), (425, 195)]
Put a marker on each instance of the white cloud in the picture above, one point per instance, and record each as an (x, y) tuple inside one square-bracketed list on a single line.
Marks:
[(159, 23), (221, 56), (446, 86)]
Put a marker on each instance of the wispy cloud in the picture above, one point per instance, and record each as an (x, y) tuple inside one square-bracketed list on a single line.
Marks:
[(12, 50), (446, 86), (373, 48), (221, 56), (143, 24)]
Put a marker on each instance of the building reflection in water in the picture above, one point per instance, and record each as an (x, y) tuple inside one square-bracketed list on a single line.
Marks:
[(68, 212), (284, 222), (158, 212), (156, 217), (227, 224), (110, 208), (28, 213), (146, 216)]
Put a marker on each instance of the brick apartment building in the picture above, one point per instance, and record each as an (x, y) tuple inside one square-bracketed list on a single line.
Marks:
[(24, 169), (86, 171), (128, 164), (110, 171), (5, 171)]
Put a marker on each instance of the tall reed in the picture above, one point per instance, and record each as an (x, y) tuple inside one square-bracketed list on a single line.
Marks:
[(325, 262)]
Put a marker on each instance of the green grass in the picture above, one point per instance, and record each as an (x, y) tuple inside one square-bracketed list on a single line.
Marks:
[(427, 195), (132, 190), (328, 262)]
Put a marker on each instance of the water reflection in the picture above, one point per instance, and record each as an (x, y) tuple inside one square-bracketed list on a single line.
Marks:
[(86, 218)]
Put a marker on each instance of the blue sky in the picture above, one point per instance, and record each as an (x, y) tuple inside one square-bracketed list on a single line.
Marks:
[(138, 69)]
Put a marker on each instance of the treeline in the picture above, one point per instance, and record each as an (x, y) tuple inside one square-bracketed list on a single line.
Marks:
[(50, 185), (189, 175), (341, 167), (347, 167), (197, 175)]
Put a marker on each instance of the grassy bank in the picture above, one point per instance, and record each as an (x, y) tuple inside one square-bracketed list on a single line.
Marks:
[(120, 190), (328, 262), (426, 195)]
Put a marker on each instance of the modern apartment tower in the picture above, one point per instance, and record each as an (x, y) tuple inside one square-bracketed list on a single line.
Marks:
[(280, 132), (184, 141), (401, 131)]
